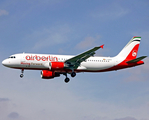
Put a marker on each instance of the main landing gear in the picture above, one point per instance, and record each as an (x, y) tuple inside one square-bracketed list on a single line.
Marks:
[(21, 75), (73, 74), (66, 79)]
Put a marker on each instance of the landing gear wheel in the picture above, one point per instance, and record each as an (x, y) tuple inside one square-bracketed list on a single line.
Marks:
[(67, 80), (21, 75), (73, 74)]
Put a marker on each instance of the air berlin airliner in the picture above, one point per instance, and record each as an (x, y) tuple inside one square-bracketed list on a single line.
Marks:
[(53, 65)]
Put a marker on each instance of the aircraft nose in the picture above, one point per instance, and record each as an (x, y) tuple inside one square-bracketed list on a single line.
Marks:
[(5, 62)]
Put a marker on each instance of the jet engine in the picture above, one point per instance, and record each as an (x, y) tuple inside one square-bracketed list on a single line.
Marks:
[(46, 74), (56, 65)]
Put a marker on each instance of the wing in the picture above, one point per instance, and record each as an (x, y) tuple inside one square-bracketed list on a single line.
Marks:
[(74, 62)]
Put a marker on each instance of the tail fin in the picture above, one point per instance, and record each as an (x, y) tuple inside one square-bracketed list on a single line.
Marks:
[(130, 51)]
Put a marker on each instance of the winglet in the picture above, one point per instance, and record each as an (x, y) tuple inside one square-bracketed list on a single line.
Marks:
[(102, 46)]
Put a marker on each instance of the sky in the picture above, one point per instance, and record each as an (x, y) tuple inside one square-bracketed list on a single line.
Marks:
[(71, 27)]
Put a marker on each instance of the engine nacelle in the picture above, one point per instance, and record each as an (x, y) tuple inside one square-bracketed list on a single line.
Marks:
[(56, 65), (46, 74)]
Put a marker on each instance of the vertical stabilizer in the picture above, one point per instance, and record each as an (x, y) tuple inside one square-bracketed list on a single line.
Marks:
[(130, 51)]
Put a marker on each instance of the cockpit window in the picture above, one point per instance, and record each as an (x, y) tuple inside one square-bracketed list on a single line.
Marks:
[(12, 57)]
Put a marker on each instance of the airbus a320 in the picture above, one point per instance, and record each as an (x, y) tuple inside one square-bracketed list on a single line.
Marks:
[(54, 65)]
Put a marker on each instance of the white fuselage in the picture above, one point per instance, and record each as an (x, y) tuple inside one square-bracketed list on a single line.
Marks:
[(41, 62)]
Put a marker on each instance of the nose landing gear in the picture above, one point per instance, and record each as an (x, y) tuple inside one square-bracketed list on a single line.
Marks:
[(21, 75)]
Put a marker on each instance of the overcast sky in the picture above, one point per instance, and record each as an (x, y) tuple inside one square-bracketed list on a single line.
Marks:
[(71, 27)]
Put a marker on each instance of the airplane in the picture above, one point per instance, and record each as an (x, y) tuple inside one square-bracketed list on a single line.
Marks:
[(54, 65)]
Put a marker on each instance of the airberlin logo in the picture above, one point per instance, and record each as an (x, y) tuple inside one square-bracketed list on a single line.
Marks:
[(134, 53), (41, 58)]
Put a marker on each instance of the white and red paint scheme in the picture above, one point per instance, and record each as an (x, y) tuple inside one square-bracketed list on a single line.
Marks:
[(54, 65)]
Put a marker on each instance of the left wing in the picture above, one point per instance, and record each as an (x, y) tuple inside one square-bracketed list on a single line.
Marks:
[(74, 62)]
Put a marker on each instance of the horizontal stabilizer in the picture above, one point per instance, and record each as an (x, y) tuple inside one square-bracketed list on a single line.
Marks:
[(136, 60)]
